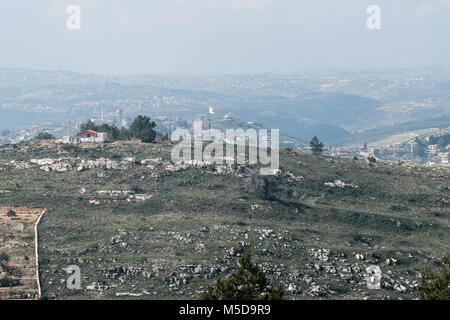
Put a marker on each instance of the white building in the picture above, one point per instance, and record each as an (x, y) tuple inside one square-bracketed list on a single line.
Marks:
[(91, 136)]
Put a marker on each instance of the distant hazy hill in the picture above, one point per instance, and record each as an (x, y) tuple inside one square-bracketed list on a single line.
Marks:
[(285, 140), (328, 115), (339, 107)]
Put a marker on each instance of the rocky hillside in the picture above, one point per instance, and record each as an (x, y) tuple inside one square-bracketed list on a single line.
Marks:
[(141, 227)]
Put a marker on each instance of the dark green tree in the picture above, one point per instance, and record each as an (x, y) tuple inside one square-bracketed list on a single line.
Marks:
[(88, 125), (317, 146), (263, 186), (11, 213), (44, 136), (248, 282), (6, 281), (142, 129), (420, 148), (4, 259), (124, 134), (436, 285)]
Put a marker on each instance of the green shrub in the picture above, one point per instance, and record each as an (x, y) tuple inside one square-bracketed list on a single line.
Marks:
[(70, 148), (142, 129), (8, 282), (11, 213), (137, 190), (4, 258), (317, 146), (44, 136), (436, 285)]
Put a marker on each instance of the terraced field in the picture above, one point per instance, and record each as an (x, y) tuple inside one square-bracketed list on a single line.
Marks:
[(17, 241)]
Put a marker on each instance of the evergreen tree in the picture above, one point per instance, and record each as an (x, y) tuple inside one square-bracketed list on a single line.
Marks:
[(317, 146), (124, 134), (142, 128), (44, 136), (420, 148), (436, 285), (4, 259), (11, 213), (88, 125), (248, 282)]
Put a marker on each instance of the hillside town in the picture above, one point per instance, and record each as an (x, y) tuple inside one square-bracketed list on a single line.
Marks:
[(411, 151), (430, 150)]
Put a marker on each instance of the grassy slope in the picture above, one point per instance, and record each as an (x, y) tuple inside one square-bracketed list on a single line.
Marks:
[(397, 212)]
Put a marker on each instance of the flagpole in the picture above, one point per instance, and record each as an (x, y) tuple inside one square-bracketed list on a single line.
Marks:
[(209, 125), (211, 111)]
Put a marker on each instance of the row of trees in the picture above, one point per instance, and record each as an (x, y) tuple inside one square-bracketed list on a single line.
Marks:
[(442, 141), (142, 128), (44, 136)]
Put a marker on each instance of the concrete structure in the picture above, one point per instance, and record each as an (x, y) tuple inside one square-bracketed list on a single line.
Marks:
[(375, 152), (432, 149), (444, 157), (229, 116), (68, 139), (91, 136)]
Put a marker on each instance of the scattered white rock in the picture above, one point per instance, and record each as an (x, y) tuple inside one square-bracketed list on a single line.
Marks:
[(340, 184)]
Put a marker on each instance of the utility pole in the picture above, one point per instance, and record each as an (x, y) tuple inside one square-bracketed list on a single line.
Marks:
[(170, 127)]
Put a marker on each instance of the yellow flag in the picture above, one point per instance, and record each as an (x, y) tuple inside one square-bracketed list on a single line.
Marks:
[(211, 110)]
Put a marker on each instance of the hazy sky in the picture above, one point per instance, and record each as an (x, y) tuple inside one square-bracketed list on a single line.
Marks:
[(222, 36)]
